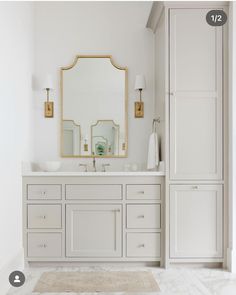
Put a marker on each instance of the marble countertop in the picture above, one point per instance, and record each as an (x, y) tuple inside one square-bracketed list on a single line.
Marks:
[(79, 173)]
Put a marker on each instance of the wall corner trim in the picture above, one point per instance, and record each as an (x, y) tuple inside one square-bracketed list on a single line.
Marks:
[(155, 14), (231, 256)]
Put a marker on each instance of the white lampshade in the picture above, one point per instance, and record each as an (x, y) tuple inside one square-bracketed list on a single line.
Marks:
[(48, 82), (140, 82)]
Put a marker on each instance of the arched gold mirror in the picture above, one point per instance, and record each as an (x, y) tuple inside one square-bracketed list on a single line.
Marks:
[(94, 108)]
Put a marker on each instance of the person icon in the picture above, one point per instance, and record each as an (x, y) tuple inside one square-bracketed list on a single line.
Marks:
[(17, 279)]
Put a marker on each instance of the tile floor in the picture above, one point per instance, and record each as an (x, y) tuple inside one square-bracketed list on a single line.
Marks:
[(177, 281)]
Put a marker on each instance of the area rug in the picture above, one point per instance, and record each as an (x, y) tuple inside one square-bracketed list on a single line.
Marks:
[(112, 281)]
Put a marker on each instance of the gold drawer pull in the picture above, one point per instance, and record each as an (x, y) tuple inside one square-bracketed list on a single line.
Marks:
[(141, 216), (141, 192), (141, 246)]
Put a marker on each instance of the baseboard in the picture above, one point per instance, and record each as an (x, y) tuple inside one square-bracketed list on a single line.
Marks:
[(218, 265), (231, 260), (16, 263), (92, 264)]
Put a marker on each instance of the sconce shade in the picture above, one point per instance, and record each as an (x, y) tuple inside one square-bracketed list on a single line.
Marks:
[(48, 82), (140, 82)]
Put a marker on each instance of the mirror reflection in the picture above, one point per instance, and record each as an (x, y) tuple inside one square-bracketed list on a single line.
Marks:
[(94, 108), (71, 138), (105, 138)]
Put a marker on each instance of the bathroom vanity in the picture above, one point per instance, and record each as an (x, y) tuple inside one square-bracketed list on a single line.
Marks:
[(94, 216), (98, 216)]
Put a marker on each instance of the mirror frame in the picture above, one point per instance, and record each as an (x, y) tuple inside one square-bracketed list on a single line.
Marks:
[(76, 60)]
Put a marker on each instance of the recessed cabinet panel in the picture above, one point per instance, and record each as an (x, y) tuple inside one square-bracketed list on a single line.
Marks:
[(44, 191), (143, 245), (44, 245), (196, 221), (93, 192), (144, 216), (44, 216), (143, 192), (193, 46), (93, 230), (195, 96)]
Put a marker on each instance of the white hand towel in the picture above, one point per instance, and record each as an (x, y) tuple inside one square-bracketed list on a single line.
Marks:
[(153, 151)]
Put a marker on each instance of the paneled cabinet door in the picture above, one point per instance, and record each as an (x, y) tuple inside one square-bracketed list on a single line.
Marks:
[(196, 221), (93, 230), (195, 96)]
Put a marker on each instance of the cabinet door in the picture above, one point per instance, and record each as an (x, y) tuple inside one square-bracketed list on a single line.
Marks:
[(196, 221), (195, 96), (93, 230)]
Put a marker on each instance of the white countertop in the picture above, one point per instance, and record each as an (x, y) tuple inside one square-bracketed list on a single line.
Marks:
[(79, 173)]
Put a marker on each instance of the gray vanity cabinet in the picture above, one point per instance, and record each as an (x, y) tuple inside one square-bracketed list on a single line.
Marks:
[(93, 218)]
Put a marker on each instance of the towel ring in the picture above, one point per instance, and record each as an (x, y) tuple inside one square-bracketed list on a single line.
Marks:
[(154, 123)]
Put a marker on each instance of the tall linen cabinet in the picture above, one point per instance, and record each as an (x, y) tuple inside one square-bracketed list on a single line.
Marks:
[(191, 82)]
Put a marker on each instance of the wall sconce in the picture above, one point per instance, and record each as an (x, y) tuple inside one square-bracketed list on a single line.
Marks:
[(86, 143), (48, 105), (140, 84)]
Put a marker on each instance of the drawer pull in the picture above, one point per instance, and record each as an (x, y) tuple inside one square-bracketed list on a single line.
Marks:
[(42, 216), (116, 210), (141, 216), (42, 246), (195, 187), (141, 192), (43, 193), (141, 246)]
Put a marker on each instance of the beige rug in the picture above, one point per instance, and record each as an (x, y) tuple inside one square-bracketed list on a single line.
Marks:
[(112, 281)]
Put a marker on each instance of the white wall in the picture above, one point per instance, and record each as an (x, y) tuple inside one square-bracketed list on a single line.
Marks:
[(65, 29), (160, 80), (15, 124)]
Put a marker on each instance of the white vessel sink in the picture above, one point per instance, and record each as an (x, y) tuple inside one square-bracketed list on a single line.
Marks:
[(50, 166)]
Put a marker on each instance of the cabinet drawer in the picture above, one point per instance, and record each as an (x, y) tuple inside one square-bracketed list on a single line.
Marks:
[(143, 192), (44, 216), (94, 192), (144, 216), (44, 245), (44, 191), (143, 245)]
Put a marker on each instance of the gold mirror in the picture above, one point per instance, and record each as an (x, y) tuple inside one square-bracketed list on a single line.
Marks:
[(94, 108)]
